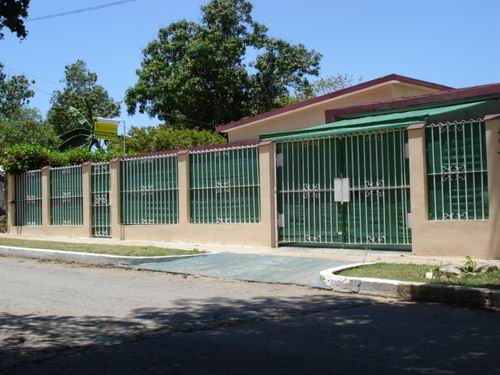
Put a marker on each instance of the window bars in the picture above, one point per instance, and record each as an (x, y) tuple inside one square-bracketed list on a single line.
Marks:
[(225, 185), (344, 190), (149, 190), (66, 196), (28, 202), (100, 200), (457, 170)]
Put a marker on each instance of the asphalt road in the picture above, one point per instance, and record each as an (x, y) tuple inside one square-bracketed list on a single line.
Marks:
[(68, 319)]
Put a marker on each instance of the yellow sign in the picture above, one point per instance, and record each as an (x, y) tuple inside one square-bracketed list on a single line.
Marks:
[(106, 130)]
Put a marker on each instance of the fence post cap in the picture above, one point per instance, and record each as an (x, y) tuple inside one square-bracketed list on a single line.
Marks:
[(115, 160), (45, 167), (182, 152), (493, 116), (85, 163), (265, 143)]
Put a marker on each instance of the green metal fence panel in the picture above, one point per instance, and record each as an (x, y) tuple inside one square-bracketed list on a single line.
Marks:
[(457, 171), (344, 190), (149, 190), (28, 202), (66, 196), (101, 203), (377, 166), (225, 186)]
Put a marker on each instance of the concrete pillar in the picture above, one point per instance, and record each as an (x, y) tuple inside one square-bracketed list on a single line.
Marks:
[(418, 186), (114, 195), (45, 196), (11, 206), (87, 195), (267, 214), (492, 124), (184, 187)]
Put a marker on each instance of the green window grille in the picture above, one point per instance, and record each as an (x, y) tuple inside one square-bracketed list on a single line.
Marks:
[(457, 170), (66, 196), (101, 205), (149, 191), (28, 200), (225, 185)]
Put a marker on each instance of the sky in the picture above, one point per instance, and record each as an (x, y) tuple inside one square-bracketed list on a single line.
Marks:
[(452, 42)]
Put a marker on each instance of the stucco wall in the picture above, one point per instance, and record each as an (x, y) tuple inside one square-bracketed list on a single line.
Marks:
[(315, 115), (455, 238), (255, 234)]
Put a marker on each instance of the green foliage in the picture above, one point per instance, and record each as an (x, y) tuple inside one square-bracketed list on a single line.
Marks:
[(282, 67), (164, 137), (26, 128), (469, 265), (198, 73), (15, 93), (21, 158), (82, 92), (321, 86), (81, 136), (12, 15)]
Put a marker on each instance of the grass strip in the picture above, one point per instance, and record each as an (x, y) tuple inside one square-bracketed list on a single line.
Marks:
[(416, 273), (124, 250)]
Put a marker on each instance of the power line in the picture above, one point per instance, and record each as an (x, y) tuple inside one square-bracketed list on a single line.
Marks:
[(34, 76), (83, 10)]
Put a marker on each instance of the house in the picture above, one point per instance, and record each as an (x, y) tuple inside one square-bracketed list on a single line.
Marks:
[(392, 163)]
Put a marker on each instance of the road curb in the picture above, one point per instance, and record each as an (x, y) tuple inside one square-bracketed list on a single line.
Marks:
[(86, 258), (410, 291)]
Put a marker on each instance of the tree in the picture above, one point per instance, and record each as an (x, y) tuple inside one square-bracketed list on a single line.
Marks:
[(12, 16), (15, 93), (28, 128), (81, 91), (282, 68), (321, 86), (198, 73), (164, 137), (19, 123)]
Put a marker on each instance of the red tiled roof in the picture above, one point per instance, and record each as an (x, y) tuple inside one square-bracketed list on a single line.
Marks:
[(318, 99), (443, 96)]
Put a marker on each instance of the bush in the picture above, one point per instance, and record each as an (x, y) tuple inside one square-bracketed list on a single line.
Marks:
[(165, 137), (22, 158)]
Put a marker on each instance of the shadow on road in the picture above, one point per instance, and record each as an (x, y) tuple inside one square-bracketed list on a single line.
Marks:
[(313, 334)]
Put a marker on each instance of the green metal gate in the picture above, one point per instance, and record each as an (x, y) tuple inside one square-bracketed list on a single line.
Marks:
[(344, 191), (101, 204)]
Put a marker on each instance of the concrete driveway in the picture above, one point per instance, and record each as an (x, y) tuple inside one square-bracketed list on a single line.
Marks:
[(260, 268)]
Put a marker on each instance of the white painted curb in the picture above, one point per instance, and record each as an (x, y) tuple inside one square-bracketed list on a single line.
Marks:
[(361, 285), (409, 291), (87, 258)]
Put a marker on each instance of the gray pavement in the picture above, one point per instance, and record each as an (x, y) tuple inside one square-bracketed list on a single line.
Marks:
[(246, 267), (59, 319)]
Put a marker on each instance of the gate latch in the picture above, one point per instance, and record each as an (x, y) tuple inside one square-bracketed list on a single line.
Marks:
[(342, 190)]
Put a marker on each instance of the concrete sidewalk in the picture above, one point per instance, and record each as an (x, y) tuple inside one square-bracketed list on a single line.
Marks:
[(245, 267), (347, 255)]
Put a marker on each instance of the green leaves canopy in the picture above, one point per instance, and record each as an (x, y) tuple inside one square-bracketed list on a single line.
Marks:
[(200, 74), (12, 15), (82, 92)]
